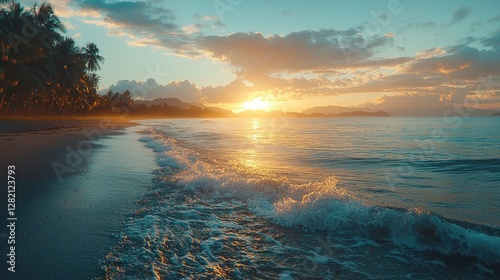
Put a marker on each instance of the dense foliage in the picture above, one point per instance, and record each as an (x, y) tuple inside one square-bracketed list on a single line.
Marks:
[(41, 70)]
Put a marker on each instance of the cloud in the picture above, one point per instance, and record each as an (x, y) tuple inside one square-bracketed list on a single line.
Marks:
[(254, 53), (495, 19), (460, 62), (192, 28), (234, 92), (299, 64), (418, 25), (468, 40), (132, 14), (278, 65), (492, 41), (460, 14), (184, 90), (145, 23), (492, 98), (70, 9), (69, 25), (206, 18), (415, 104), (437, 70), (397, 83), (209, 21), (435, 104)]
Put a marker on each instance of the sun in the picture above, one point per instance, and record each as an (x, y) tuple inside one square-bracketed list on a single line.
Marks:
[(255, 104)]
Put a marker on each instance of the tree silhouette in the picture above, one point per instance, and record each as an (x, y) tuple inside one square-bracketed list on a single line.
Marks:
[(42, 69)]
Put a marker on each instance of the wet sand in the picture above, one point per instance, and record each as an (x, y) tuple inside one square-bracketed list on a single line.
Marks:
[(75, 186), (34, 145)]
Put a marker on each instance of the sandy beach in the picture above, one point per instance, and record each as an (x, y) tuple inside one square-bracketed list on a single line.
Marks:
[(33, 145), (69, 205)]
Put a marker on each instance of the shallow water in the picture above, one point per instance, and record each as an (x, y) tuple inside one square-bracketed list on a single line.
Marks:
[(327, 198)]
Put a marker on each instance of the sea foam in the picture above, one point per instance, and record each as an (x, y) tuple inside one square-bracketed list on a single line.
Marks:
[(322, 206)]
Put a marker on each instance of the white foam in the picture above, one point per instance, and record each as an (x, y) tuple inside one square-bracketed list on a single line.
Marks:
[(322, 206), (143, 229)]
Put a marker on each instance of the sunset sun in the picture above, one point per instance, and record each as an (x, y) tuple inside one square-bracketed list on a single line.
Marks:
[(249, 139), (255, 104)]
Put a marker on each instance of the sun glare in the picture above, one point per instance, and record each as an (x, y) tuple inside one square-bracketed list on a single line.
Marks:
[(256, 104)]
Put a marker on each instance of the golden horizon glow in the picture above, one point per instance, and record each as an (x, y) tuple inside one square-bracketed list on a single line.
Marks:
[(255, 104)]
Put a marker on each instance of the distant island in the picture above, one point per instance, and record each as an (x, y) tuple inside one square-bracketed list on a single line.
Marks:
[(119, 103), (261, 113), (364, 114), (496, 114), (174, 107)]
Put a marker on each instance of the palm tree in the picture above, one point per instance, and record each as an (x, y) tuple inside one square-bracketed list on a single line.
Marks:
[(26, 58), (21, 76), (92, 57), (70, 69), (92, 84), (49, 27), (42, 67), (3, 60)]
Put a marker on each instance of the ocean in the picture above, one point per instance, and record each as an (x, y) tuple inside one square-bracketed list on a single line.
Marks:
[(315, 198)]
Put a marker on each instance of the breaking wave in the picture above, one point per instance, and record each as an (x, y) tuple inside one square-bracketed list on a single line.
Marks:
[(323, 206)]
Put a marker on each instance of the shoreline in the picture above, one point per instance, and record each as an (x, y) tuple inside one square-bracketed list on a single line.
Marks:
[(54, 222), (36, 144), (19, 124)]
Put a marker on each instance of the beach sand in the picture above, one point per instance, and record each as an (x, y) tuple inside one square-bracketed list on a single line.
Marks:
[(75, 186), (33, 145)]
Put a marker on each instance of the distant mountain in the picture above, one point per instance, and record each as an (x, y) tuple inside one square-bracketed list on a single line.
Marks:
[(329, 110), (496, 114), (279, 114), (440, 111), (220, 110), (172, 102), (342, 111), (174, 107), (404, 110), (364, 114)]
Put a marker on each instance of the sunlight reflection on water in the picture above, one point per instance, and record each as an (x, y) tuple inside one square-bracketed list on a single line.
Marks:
[(360, 151)]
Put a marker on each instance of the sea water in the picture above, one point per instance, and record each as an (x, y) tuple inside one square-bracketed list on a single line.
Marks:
[(316, 198)]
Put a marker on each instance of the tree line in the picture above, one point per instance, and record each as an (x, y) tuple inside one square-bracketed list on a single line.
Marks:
[(43, 72)]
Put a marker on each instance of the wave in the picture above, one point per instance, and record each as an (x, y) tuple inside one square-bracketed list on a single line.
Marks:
[(323, 206), (463, 165), (443, 165)]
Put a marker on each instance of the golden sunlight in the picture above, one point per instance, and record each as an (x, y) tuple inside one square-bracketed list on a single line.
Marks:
[(256, 104)]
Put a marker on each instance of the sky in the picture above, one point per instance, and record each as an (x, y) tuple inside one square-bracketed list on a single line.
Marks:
[(400, 56)]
